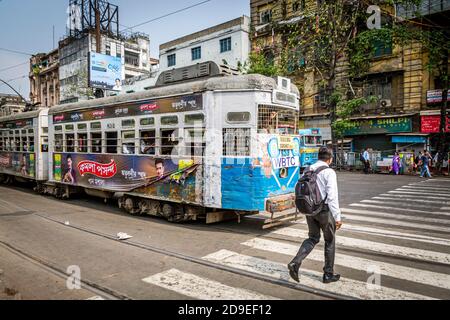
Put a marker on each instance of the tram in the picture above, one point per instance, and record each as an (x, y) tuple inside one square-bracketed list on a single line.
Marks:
[(24, 147), (310, 143), (202, 149)]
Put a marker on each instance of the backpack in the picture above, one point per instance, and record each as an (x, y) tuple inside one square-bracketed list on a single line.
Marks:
[(308, 199), (361, 158)]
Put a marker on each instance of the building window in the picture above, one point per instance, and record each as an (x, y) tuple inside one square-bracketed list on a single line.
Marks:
[(225, 45), (196, 53), (382, 49), (171, 60), (265, 16), (298, 6)]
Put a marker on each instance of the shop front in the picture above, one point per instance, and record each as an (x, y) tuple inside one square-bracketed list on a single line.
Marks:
[(430, 125), (375, 132)]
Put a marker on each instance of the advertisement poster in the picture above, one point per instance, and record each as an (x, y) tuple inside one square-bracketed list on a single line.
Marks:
[(18, 164), (105, 72), (435, 96), (163, 178), (380, 126)]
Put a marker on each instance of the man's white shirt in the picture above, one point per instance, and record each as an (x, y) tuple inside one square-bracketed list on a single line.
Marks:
[(327, 183), (366, 156)]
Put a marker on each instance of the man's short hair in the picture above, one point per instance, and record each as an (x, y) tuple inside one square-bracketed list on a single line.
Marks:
[(325, 154), (159, 161)]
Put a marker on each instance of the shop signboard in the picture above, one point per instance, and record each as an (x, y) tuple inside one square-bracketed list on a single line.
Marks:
[(432, 124), (435, 96), (379, 126)]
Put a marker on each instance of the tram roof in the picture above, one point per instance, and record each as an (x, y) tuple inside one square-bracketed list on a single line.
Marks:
[(21, 116), (240, 82)]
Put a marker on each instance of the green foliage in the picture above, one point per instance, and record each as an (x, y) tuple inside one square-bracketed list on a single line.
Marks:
[(259, 64)]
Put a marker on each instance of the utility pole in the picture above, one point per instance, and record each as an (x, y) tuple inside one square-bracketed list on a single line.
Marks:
[(97, 26), (443, 128)]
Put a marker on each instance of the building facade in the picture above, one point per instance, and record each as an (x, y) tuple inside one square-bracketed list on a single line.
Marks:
[(227, 43), (10, 104), (44, 79), (398, 77)]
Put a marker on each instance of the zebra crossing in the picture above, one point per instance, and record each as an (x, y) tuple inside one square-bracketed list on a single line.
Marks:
[(393, 246)]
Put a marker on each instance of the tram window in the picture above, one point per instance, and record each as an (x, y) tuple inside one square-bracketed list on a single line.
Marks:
[(148, 142), (238, 117), (82, 126), (82, 142), (44, 144), (45, 130), (169, 120), (148, 122), (58, 128), (129, 123), (58, 142), (17, 144), (236, 142), (128, 142), (30, 131), (70, 142), (96, 141), (169, 140), (96, 125), (111, 142), (195, 142), (23, 143), (24, 132), (31, 144), (69, 127), (310, 140), (194, 118), (1, 142)]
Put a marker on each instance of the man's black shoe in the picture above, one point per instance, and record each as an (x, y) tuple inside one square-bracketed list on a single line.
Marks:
[(329, 277), (293, 271)]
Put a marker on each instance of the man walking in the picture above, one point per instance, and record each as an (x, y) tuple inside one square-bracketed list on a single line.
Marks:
[(366, 158), (425, 160), (329, 220)]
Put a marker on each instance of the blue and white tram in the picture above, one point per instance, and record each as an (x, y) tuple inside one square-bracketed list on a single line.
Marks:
[(202, 149)]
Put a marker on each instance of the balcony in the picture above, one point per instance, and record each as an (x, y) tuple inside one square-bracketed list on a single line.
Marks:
[(427, 7)]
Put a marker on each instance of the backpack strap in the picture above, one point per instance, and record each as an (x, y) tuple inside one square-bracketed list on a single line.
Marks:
[(320, 169)]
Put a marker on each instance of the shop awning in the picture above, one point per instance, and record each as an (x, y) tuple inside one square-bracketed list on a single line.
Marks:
[(409, 138)]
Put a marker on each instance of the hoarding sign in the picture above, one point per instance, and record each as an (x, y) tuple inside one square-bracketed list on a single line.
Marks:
[(380, 126), (105, 72), (432, 124), (435, 96), (18, 163), (150, 107)]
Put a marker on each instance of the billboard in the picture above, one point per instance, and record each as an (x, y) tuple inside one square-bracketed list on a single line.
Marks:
[(105, 72), (18, 164)]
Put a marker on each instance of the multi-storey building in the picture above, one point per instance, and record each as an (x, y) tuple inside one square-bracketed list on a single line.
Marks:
[(227, 43), (398, 76), (44, 79), (10, 104)]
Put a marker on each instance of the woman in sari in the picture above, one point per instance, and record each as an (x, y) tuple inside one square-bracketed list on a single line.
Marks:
[(396, 164)]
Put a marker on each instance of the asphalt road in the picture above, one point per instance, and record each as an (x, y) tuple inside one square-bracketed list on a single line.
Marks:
[(396, 237)]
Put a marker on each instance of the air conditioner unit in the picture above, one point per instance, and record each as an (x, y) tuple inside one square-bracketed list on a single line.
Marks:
[(385, 103)]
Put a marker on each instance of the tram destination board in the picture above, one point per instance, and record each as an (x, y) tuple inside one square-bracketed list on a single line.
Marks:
[(166, 105)]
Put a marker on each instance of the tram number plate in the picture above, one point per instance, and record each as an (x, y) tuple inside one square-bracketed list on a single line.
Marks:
[(285, 162)]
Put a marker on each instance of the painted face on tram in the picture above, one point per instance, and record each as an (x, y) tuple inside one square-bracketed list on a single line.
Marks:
[(69, 162), (160, 168)]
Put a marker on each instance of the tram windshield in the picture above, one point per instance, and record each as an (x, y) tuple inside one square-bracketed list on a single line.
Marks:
[(277, 120), (313, 141)]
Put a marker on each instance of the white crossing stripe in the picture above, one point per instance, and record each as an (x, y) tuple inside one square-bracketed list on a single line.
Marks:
[(445, 208), (310, 278), (401, 224), (420, 194), (201, 288), (391, 234), (398, 203), (398, 209), (431, 278), (396, 216), (443, 189), (413, 200), (400, 251)]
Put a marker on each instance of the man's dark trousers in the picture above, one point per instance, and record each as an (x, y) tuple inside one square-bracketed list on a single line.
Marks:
[(323, 221), (366, 166)]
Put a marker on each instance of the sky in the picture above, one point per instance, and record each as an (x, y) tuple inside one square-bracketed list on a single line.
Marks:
[(27, 26)]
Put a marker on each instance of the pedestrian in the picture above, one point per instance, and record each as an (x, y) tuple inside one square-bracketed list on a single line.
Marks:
[(418, 162), (366, 157), (396, 164), (425, 162), (328, 220)]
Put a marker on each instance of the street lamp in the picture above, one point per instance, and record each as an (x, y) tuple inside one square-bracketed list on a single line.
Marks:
[(28, 106)]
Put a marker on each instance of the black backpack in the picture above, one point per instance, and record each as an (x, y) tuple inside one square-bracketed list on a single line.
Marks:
[(361, 158), (307, 194)]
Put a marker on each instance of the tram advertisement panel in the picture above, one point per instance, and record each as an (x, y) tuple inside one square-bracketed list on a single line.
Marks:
[(18, 163), (170, 179)]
